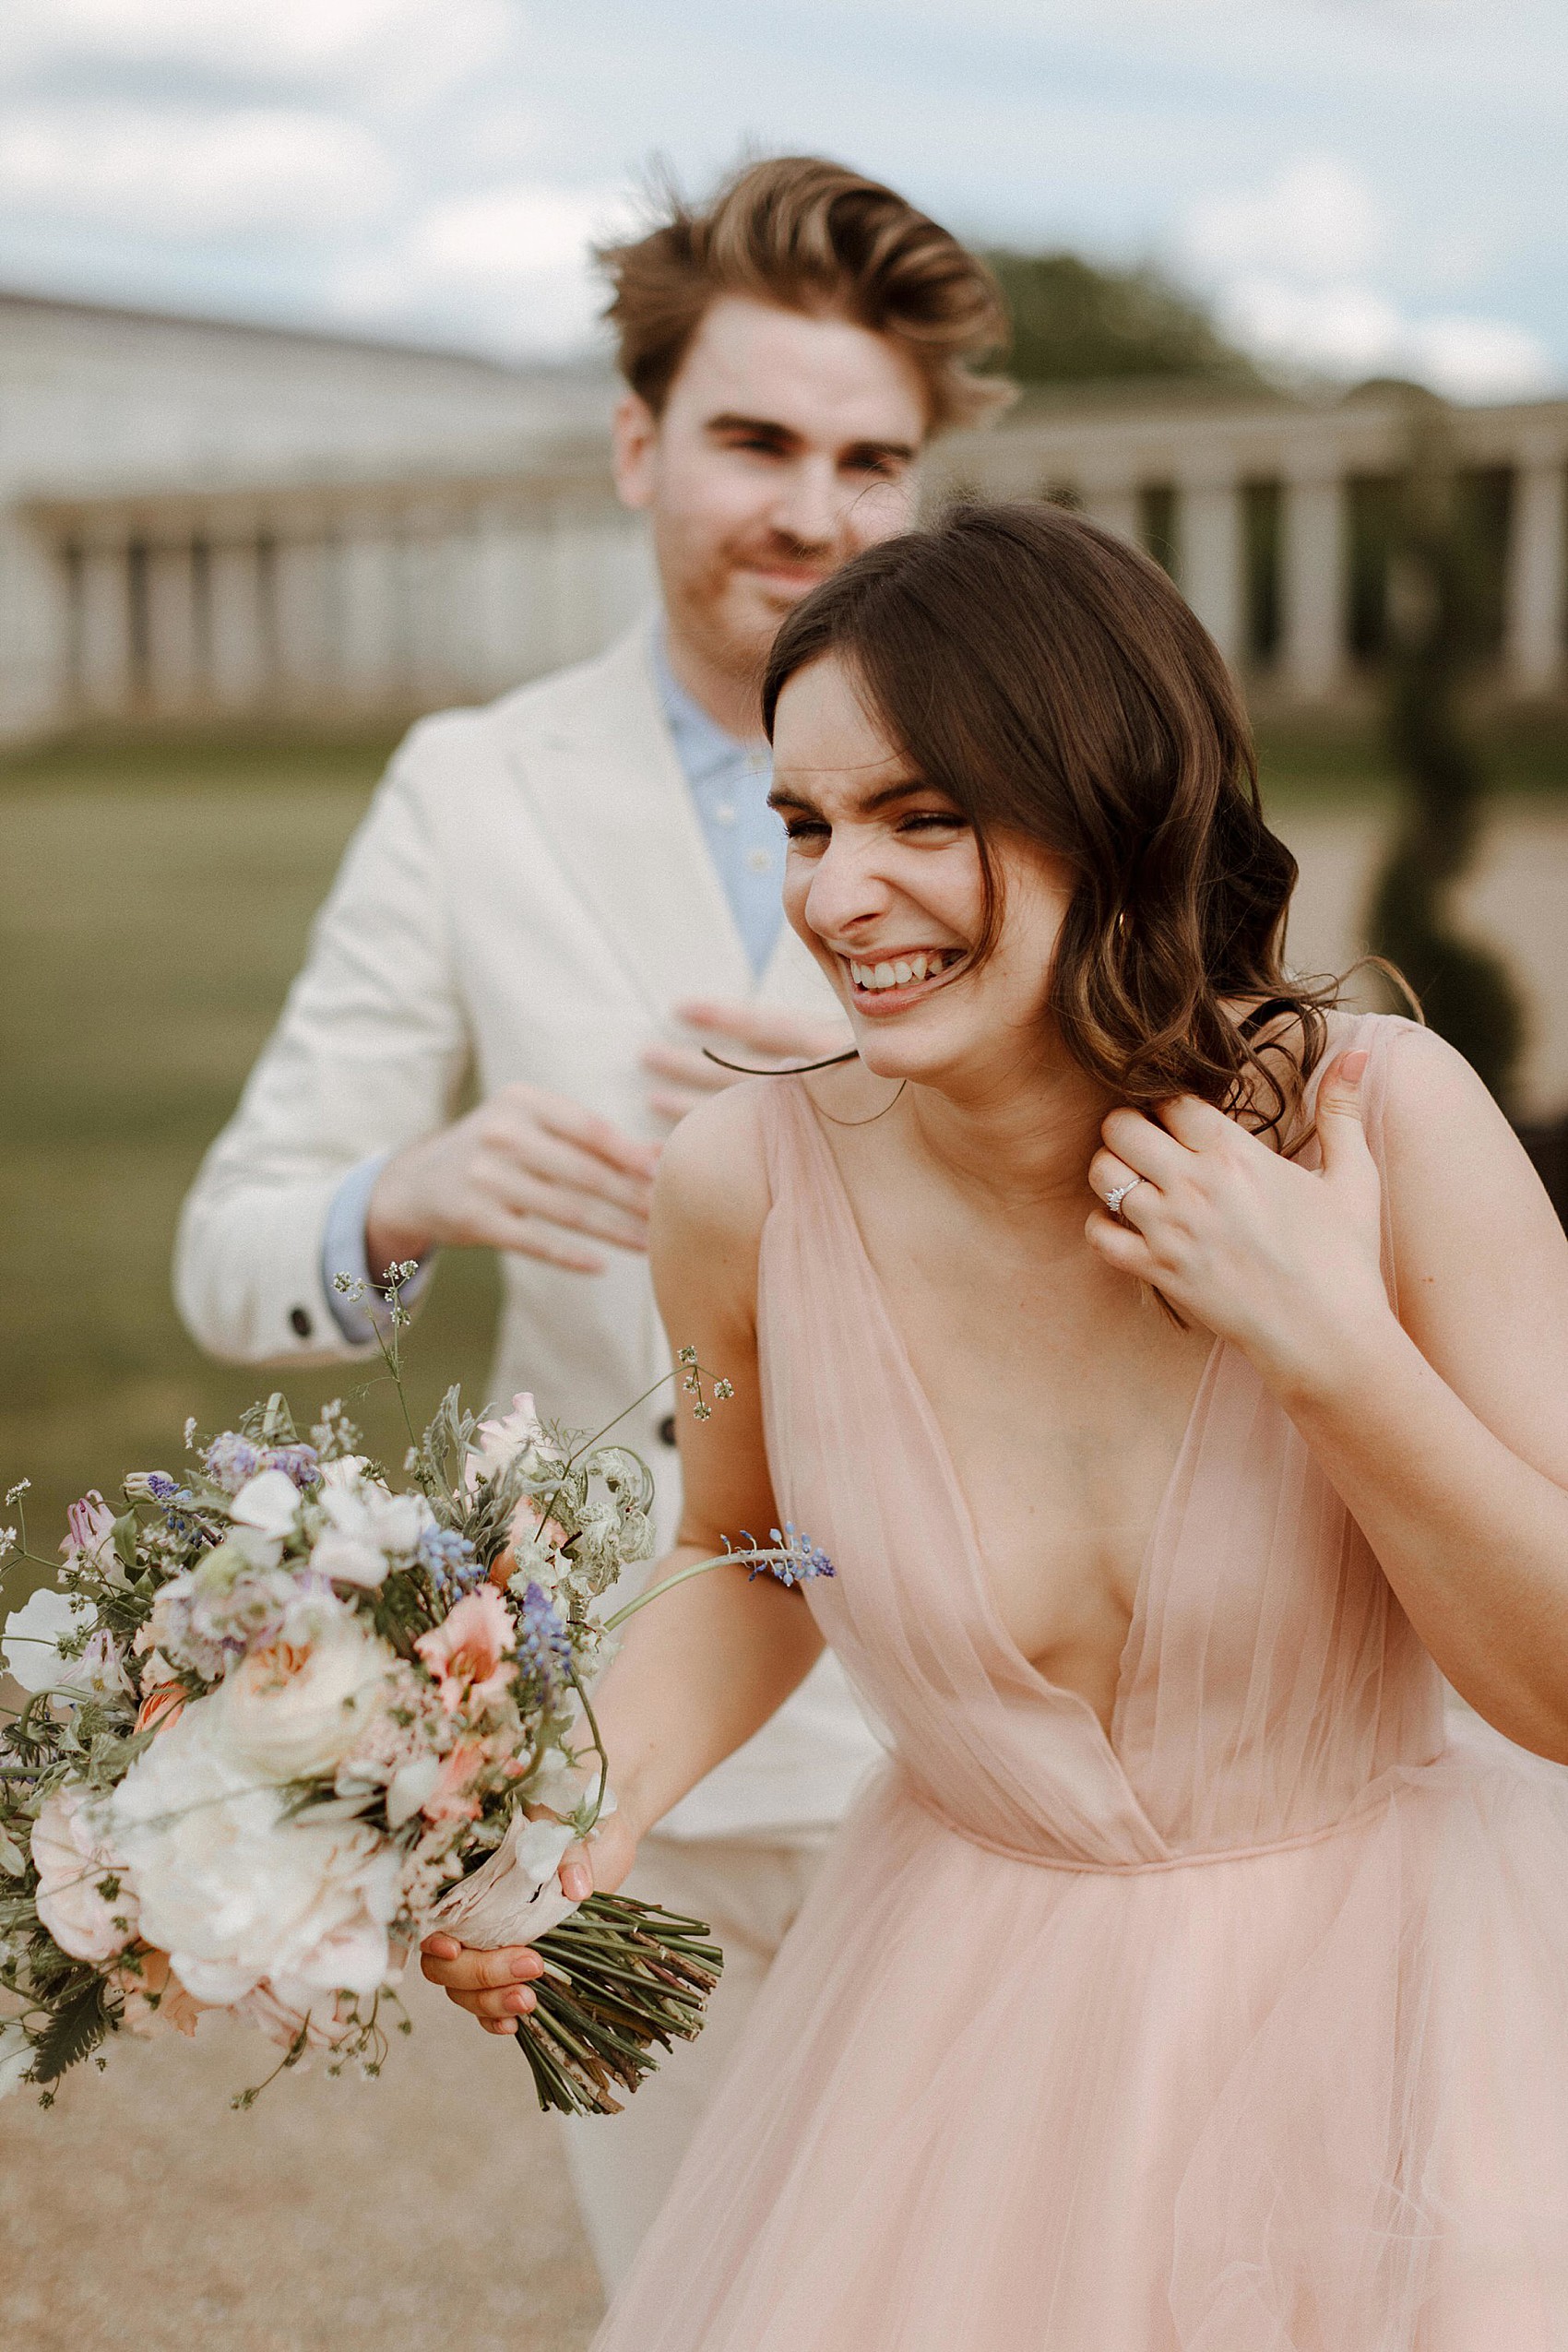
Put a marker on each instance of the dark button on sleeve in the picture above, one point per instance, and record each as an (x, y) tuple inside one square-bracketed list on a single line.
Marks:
[(667, 1430), (299, 1318)]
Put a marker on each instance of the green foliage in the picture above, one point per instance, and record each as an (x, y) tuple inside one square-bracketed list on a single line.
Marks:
[(1436, 630), (1076, 323), (77, 2024)]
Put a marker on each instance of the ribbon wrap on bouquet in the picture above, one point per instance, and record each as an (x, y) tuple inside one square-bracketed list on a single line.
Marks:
[(506, 1900)]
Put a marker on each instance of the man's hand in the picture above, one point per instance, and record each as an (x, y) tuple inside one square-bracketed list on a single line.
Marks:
[(528, 1172), (762, 1034)]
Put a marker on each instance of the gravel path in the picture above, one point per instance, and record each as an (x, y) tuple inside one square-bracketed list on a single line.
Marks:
[(428, 2209)]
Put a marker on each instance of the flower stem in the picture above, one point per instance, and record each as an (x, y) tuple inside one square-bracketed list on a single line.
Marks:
[(761, 1559)]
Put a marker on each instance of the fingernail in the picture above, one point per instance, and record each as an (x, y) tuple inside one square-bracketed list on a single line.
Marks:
[(520, 2002), (524, 1966), (1353, 1064), (576, 1883)]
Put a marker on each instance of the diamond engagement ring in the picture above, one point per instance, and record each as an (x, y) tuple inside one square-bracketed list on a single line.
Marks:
[(1113, 1200)]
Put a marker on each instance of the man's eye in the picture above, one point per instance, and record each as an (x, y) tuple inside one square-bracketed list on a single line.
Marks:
[(925, 820), (806, 828)]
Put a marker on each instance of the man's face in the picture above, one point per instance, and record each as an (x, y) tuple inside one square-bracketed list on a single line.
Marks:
[(787, 444)]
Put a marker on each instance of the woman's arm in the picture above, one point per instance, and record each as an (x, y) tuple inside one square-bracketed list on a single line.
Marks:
[(1445, 1429), (702, 1667)]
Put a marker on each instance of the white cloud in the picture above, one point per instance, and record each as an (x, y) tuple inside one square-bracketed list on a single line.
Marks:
[(1292, 267), (174, 173), (1319, 221), (508, 267), (361, 41), (1352, 330)]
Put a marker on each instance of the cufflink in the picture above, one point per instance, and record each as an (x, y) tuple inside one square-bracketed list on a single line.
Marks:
[(299, 1319), (667, 1430)]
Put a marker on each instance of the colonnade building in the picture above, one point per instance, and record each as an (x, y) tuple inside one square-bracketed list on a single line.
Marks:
[(204, 524)]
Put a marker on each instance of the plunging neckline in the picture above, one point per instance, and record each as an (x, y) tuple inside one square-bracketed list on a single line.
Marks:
[(1017, 1659)]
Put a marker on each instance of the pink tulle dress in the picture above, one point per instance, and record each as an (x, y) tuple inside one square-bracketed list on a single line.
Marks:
[(1242, 2030)]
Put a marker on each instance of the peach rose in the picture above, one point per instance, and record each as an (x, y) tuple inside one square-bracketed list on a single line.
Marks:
[(154, 1996)]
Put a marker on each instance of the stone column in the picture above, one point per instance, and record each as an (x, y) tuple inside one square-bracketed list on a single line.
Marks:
[(1312, 584), (237, 650), (172, 634), (304, 621), (1538, 563), (373, 613), (1209, 559), (103, 678)]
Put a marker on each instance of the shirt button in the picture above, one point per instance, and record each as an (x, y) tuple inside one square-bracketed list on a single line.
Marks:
[(667, 1430), (299, 1321), (724, 812), (760, 861)]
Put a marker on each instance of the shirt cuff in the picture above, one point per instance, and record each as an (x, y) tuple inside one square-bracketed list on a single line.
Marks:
[(343, 1251)]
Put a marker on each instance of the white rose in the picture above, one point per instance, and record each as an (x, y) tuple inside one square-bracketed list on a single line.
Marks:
[(33, 1635), (269, 1501), (75, 1861), (366, 1529), (235, 1892), (295, 1712), (15, 2057)]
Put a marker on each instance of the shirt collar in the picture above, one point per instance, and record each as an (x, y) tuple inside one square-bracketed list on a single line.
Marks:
[(703, 747)]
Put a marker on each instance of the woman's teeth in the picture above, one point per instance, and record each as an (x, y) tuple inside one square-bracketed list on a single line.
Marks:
[(902, 970)]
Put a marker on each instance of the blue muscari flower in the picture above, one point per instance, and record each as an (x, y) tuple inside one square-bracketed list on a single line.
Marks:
[(174, 1501), (542, 1645), (449, 1557), (799, 1560)]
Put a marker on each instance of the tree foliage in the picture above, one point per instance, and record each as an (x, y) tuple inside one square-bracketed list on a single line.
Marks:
[(1435, 632), (1076, 323)]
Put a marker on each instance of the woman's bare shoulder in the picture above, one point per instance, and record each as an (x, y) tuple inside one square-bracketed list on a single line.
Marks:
[(1462, 1191), (712, 1179)]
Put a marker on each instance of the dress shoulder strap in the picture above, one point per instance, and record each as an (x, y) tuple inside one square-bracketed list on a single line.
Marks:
[(787, 1129)]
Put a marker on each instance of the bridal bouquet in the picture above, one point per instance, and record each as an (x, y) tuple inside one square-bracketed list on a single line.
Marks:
[(283, 1718)]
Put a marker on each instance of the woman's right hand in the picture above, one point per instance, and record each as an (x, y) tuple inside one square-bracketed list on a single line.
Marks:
[(498, 1987)]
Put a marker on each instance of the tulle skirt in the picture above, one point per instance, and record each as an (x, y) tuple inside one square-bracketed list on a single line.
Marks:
[(1307, 2100)]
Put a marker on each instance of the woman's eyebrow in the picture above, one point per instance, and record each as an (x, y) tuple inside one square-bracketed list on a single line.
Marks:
[(903, 788)]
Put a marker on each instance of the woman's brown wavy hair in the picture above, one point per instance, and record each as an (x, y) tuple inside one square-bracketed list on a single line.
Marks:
[(1049, 677)]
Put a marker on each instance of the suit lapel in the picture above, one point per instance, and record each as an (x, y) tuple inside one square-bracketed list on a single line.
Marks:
[(608, 790)]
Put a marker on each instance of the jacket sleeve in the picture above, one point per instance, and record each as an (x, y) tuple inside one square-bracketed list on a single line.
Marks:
[(368, 1054)]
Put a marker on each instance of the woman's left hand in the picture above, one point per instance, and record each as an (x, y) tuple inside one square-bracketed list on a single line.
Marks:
[(1283, 1261)]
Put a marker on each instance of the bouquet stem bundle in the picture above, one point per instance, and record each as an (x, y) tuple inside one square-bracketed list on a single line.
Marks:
[(619, 1976)]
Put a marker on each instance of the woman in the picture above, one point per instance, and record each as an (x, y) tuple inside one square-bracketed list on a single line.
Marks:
[(1183, 1979)]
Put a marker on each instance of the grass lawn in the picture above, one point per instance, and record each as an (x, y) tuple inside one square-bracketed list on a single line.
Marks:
[(153, 910)]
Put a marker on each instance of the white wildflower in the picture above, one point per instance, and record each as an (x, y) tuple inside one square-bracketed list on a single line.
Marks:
[(34, 1634), (15, 2057)]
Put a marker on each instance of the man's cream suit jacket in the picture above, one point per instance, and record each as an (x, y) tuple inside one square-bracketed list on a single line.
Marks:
[(528, 894)]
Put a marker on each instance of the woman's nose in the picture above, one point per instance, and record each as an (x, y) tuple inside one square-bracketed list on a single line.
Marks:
[(846, 890)]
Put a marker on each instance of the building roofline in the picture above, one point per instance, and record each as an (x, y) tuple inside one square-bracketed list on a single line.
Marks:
[(316, 337)]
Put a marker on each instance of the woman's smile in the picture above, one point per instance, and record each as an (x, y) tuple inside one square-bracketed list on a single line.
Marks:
[(888, 980)]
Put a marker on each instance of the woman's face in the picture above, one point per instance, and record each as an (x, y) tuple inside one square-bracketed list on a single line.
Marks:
[(884, 884)]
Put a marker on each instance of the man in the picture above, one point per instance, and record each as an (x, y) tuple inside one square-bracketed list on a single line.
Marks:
[(569, 892)]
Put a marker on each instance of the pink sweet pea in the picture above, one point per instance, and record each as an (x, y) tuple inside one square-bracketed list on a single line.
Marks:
[(449, 1800), (465, 1651)]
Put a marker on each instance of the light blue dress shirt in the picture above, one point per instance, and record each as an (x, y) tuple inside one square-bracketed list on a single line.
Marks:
[(728, 783)]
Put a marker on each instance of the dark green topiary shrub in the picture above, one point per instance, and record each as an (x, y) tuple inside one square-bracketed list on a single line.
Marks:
[(1436, 629)]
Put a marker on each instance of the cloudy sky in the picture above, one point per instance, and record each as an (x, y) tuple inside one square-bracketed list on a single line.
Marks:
[(1361, 185)]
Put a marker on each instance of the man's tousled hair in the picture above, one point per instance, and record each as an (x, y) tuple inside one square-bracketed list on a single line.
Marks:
[(811, 236)]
